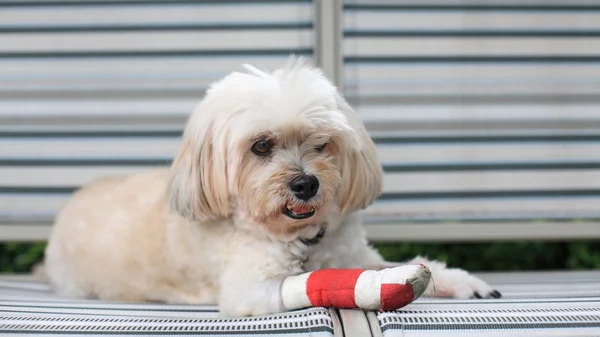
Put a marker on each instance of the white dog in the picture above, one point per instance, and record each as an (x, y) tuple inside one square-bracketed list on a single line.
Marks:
[(271, 171)]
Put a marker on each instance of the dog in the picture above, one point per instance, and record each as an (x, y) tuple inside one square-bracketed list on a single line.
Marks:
[(272, 170)]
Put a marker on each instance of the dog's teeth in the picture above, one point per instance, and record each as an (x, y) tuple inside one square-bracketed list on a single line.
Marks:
[(293, 210)]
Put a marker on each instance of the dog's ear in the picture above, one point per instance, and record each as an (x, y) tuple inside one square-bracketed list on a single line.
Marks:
[(198, 175), (360, 166)]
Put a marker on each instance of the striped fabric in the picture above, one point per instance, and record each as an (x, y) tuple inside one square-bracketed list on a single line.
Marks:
[(533, 304), (488, 113)]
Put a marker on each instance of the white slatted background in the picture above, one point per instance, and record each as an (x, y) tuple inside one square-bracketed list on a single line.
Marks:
[(486, 115)]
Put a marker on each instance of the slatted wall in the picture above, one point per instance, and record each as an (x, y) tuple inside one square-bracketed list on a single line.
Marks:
[(94, 88), (487, 115)]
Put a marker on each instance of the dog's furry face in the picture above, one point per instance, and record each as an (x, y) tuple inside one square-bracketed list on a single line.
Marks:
[(281, 151)]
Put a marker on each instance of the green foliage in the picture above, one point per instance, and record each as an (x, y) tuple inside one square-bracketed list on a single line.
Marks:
[(20, 257), (499, 256), (496, 256), (584, 256)]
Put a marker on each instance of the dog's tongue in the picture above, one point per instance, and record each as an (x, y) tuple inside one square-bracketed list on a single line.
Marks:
[(300, 209)]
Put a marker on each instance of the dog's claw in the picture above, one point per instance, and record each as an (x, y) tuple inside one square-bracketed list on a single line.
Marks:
[(476, 294), (495, 294)]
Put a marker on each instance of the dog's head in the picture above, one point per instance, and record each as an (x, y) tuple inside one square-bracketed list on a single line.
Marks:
[(280, 150)]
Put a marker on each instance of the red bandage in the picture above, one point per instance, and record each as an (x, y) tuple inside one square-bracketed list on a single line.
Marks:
[(386, 289), (333, 288), (394, 296)]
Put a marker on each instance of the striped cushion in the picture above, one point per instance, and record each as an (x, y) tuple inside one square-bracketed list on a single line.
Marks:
[(533, 304)]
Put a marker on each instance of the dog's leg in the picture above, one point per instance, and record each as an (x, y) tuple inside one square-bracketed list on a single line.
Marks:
[(250, 296)]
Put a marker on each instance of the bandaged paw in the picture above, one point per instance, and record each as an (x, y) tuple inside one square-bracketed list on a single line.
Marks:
[(386, 289)]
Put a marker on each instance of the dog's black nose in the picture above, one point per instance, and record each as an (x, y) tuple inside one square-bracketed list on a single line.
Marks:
[(305, 186)]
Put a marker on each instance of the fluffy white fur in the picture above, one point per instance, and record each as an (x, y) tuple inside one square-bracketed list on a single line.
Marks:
[(211, 229)]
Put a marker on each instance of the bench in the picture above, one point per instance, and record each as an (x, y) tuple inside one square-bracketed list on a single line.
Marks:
[(485, 118)]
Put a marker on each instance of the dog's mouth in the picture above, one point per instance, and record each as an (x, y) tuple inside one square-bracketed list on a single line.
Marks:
[(299, 212)]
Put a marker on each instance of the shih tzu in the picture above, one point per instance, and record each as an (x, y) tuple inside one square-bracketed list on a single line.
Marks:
[(266, 184)]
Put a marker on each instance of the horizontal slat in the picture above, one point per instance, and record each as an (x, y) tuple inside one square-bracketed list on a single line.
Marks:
[(486, 181), (156, 13), (454, 153), (119, 3), (440, 21), (471, 47), (422, 196), (146, 147), (155, 41), (59, 176), (383, 135), (517, 206), (374, 72), (24, 233), (18, 206), (481, 113), (90, 108), (468, 59), (144, 54), (482, 232), (79, 69), (504, 118), (470, 80), (119, 28), (477, 6)]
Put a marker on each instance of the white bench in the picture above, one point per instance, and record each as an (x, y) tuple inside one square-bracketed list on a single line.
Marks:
[(486, 119)]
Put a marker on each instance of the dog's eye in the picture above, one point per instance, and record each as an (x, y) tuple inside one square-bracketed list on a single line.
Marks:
[(262, 147), (321, 148)]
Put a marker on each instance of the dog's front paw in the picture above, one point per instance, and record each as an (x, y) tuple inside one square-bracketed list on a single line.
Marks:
[(457, 283)]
